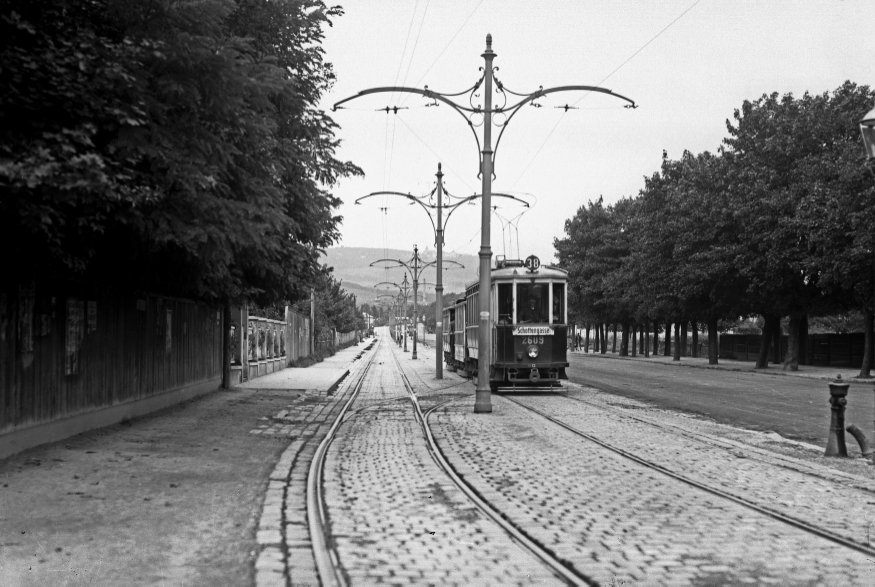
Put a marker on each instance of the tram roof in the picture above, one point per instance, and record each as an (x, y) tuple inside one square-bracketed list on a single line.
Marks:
[(544, 272)]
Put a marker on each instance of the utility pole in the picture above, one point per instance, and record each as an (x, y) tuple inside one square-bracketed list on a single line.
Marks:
[(483, 399), (439, 282), (415, 289), (439, 228), (483, 394)]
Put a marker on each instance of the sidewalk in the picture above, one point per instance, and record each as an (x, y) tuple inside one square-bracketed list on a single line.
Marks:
[(323, 376), (849, 375), (174, 497)]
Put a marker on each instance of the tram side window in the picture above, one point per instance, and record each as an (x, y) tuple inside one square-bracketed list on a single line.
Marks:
[(505, 303), (558, 303), (531, 303)]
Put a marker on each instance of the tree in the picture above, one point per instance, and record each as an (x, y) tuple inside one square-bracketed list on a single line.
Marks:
[(175, 147), (784, 152)]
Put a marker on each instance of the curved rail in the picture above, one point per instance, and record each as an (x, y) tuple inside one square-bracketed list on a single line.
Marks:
[(560, 568), (327, 564), (796, 523)]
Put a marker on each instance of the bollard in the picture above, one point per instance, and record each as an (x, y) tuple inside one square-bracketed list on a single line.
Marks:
[(836, 446)]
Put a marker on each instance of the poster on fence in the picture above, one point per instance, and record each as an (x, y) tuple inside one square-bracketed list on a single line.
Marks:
[(75, 330)]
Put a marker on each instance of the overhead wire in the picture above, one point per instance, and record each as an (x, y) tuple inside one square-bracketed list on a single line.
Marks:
[(427, 146), (418, 33), (450, 42), (404, 51), (604, 79)]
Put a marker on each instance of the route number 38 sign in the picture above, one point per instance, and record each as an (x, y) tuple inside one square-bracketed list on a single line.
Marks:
[(532, 263)]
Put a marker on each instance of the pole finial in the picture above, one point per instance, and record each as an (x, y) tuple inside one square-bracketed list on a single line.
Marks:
[(488, 41)]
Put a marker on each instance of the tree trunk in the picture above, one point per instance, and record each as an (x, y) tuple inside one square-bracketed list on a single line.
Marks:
[(803, 340), (713, 347), (776, 342), (667, 350), (677, 342), (768, 330), (586, 344), (624, 342), (614, 341), (683, 338), (791, 359), (646, 336), (694, 326), (604, 333), (634, 329), (655, 338), (867, 350)]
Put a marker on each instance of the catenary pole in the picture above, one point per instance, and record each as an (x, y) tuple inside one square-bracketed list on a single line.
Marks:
[(483, 399), (483, 394), (415, 288), (439, 283)]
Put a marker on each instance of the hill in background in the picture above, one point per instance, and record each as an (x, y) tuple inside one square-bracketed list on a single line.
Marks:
[(352, 267)]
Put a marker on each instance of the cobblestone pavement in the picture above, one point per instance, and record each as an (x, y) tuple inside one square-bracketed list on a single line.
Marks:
[(616, 520), (284, 548), (394, 516), (843, 505)]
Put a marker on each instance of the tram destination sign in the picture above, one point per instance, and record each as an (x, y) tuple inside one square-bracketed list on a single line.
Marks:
[(532, 331)]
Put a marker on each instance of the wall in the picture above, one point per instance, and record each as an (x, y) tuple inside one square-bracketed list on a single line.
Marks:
[(266, 345)]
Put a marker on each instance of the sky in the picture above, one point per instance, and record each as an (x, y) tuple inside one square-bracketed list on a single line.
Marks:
[(688, 64)]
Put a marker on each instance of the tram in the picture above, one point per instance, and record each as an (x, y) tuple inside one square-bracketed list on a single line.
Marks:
[(528, 315)]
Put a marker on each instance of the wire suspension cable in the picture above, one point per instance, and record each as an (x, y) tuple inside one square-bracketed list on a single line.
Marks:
[(404, 51), (413, 52), (603, 80), (447, 46)]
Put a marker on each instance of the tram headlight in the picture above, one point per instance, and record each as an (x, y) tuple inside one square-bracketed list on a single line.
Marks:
[(532, 351)]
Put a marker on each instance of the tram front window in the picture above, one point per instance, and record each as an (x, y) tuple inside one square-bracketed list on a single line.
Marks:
[(505, 303), (558, 303), (531, 303)]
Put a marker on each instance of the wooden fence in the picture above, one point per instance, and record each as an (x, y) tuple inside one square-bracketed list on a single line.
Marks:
[(71, 348)]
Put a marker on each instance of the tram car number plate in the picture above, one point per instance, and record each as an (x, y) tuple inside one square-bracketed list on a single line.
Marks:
[(533, 340)]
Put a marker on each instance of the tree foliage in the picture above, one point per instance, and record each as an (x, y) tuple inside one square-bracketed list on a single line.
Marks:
[(335, 308), (169, 145), (778, 223)]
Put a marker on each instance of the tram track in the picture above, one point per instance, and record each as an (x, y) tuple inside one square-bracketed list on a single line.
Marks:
[(762, 455), (559, 567), (749, 504), (325, 556)]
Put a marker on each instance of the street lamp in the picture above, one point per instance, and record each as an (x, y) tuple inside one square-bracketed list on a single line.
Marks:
[(501, 117), (867, 129), (439, 228)]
